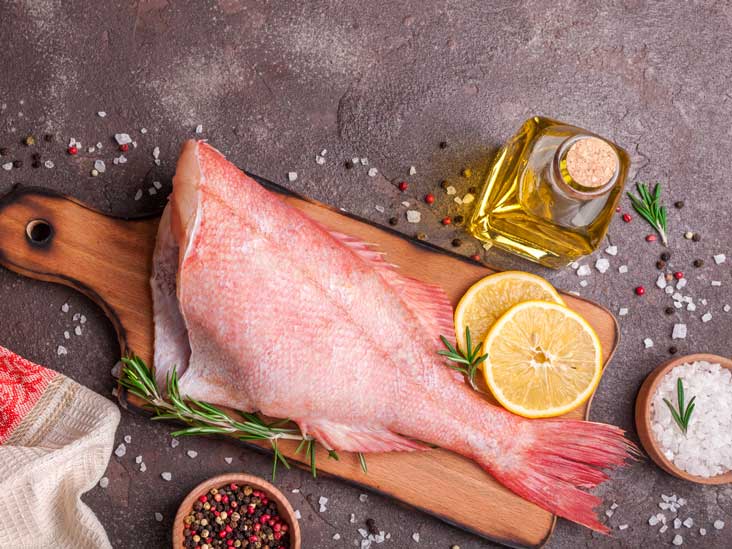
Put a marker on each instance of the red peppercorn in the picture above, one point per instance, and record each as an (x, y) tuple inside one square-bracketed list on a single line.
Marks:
[(203, 499), (430, 198), (678, 275), (233, 486), (228, 529), (265, 500), (403, 186), (222, 534), (617, 209), (271, 522), (627, 218), (446, 220), (217, 497), (225, 499), (277, 535), (229, 542), (234, 505), (124, 147), (640, 290), (277, 527), (651, 238), (73, 150), (475, 257), (285, 528), (253, 539)]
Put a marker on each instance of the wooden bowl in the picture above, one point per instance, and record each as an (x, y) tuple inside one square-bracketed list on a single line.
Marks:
[(643, 417), (283, 506)]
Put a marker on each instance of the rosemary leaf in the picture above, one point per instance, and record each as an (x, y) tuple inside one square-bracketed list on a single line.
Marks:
[(648, 206), (362, 461)]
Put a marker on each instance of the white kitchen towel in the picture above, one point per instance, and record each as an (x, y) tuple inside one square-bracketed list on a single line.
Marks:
[(56, 438)]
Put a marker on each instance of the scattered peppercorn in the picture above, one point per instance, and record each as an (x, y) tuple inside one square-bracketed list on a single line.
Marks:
[(421, 236), (688, 235), (672, 350), (17, 164), (698, 263), (679, 204), (429, 198), (627, 218), (651, 238), (456, 242), (475, 257), (29, 140), (458, 219), (678, 275), (348, 164), (660, 264), (393, 221), (472, 190), (4, 151), (443, 144), (446, 220), (36, 164), (669, 310), (617, 209), (696, 237), (36, 156), (403, 186), (72, 150), (371, 526), (444, 184), (669, 277), (666, 256), (640, 290), (124, 147), (48, 138), (235, 516)]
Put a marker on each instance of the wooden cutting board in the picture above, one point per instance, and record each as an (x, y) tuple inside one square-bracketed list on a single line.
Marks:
[(54, 238)]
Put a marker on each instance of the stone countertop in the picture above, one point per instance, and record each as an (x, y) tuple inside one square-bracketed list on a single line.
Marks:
[(274, 83)]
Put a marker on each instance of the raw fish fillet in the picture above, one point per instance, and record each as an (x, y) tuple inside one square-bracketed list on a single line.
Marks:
[(261, 308)]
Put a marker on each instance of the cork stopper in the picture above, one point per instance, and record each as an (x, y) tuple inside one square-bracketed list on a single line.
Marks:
[(591, 162)]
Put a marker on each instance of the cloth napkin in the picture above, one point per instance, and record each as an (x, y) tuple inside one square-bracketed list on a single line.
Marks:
[(56, 438)]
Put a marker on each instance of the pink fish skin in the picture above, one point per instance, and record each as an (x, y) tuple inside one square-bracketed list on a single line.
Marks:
[(263, 309)]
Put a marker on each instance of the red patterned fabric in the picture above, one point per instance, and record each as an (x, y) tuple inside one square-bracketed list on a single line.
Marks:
[(21, 385)]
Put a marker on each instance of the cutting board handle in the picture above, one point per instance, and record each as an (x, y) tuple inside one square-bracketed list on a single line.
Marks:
[(50, 237)]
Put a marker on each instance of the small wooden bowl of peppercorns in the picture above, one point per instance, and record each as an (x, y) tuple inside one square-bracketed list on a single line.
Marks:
[(236, 510)]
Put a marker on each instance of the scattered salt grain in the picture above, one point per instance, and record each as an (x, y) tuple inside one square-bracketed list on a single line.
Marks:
[(156, 153), (101, 114), (678, 540), (661, 281), (611, 250), (364, 533), (412, 170), (8, 166), (363, 497), (584, 270), (623, 527), (291, 176), (122, 138), (61, 350), (679, 331), (415, 537), (99, 145), (174, 443), (614, 506), (663, 528), (413, 216), (702, 531), (320, 160), (143, 130), (199, 128), (138, 459), (166, 476), (103, 482), (623, 311), (77, 330), (720, 258), (322, 501), (228, 460), (336, 536), (458, 200), (727, 308), (677, 523), (688, 523), (48, 163), (364, 161), (648, 343), (298, 516), (121, 450), (706, 317), (623, 269), (352, 518), (157, 184), (296, 490), (372, 172), (91, 149), (468, 198), (138, 194), (716, 282), (602, 265), (691, 307), (451, 190), (583, 283), (718, 524), (67, 335), (152, 191), (609, 513), (574, 265), (127, 439), (100, 166), (192, 454), (159, 517), (65, 308), (405, 204), (379, 208)]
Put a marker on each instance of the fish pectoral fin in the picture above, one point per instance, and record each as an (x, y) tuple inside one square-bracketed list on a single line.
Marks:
[(348, 438)]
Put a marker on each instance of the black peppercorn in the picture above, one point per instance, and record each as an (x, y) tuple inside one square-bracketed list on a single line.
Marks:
[(36, 156), (458, 219), (669, 310), (4, 151), (348, 164), (696, 237), (371, 525), (17, 164), (36, 164), (672, 350), (456, 242), (443, 144), (698, 263), (393, 221), (660, 264), (666, 256), (472, 190), (444, 184), (48, 138), (679, 204)]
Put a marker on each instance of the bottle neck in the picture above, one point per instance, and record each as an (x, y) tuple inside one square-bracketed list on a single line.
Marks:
[(585, 167)]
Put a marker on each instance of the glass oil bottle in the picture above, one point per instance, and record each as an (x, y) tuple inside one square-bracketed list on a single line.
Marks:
[(550, 193)]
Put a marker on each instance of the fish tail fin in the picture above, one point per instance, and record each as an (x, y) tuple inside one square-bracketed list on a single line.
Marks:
[(558, 458)]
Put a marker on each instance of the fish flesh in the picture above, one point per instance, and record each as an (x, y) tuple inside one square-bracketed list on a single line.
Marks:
[(260, 308)]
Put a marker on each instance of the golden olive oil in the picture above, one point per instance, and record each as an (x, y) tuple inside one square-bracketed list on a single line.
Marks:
[(550, 193)]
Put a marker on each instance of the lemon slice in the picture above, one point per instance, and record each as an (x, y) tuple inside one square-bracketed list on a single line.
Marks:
[(490, 297), (544, 359)]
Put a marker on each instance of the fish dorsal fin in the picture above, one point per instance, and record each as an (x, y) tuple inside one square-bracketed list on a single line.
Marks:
[(428, 302)]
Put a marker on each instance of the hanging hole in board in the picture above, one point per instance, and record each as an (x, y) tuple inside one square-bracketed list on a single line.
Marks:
[(39, 231)]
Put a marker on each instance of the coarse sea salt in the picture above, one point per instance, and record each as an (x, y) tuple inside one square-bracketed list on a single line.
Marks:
[(706, 449)]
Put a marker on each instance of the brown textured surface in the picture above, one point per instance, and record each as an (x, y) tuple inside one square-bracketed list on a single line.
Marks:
[(275, 82)]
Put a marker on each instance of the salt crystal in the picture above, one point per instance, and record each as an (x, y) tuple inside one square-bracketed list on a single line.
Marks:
[(622, 527), (623, 269), (128, 439), (76, 317), (653, 520), (199, 128), (451, 190), (336, 536), (91, 149), (65, 308), (355, 161), (458, 200), (228, 460), (681, 283), (415, 537), (648, 343), (405, 204), (103, 482), (67, 335), (77, 330), (352, 518), (174, 443), (468, 198), (100, 166), (669, 290), (678, 304), (703, 302), (322, 501), (138, 194), (677, 523), (623, 311), (157, 184), (143, 130), (706, 317), (166, 476), (291, 176), (372, 172), (584, 270), (679, 331), (156, 153), (298, 516), (99, 145), (614, 506), (691, 307), (663, 529), (152, 191), (412, 170), (138, 459), (702, 531), (678, 540), (101, 114), (121, 159), (583, 283), (364, 161), (61, 350), (413, 216), (48, 163), (192, 454), (8, 166), (602, 265), (121, 450), (364, 533), (727, 308), (611, 250), (716, 282), (609, 513), (718, 524), (319, 160), (574, 265), (379, 208), (363, 497), (689, 522), (122, 138), (720, 258), (661, 281)]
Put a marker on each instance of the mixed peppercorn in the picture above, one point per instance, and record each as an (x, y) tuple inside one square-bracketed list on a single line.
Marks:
[(235, 516)]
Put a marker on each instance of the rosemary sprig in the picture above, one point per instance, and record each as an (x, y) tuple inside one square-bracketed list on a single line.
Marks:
[(466, 363), (649, 208), (203, 418), (683, 414)]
